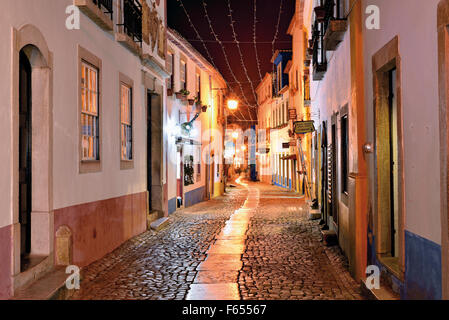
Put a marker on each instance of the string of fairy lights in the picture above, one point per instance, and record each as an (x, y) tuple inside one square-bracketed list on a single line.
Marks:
[(277, 32), (226, 58), (203, 43), (255, 40), (234, 34), (224, 52), (235, 41)]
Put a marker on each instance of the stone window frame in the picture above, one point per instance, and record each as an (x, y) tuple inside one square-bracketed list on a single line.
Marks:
[(90, 166), (443, 76), (383, 61), (127, 81)]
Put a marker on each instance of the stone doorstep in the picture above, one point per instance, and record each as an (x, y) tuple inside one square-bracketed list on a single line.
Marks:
[(329, 237), (151, 217), (50, 287), (383, 293), (159, 223), (314, 214)]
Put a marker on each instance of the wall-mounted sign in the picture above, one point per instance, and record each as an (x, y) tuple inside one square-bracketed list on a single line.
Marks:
[(264, 150), (292, 114), (286, 145), (302, 127)]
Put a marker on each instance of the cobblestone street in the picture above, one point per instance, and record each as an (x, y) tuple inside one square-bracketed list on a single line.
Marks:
[(282, 258)]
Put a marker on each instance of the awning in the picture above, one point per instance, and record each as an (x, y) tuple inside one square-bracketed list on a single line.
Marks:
[(289, 157)]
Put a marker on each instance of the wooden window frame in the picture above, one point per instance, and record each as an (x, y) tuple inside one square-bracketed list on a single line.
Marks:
[(181, 86), (171, 80), (84, 56), (126, 164)]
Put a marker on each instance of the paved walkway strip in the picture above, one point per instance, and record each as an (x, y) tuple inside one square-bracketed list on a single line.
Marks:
[(217, 277)]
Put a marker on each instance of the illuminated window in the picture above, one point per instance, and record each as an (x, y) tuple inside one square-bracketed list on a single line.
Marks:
[(183, 75), (126, 122), (89, 113)]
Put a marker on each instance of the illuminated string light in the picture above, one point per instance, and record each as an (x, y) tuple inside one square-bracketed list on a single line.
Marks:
[(224, 52), (240, 52), (277, 32), (201, 39), (255, 39)]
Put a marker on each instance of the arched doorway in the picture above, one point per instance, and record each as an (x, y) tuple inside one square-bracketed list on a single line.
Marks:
[(32, 165)]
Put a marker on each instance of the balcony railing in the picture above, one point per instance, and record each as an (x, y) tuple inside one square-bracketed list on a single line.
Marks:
[(334, 24), (132, 20), (319, 52), (334, 11), (105, 5)]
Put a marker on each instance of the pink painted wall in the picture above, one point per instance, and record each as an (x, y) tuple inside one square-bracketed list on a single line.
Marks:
[(100, 227), (5, 262)]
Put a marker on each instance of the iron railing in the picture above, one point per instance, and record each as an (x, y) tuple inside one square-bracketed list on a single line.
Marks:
[(132, 19), (319, 53), (105, 5), (334, 11)]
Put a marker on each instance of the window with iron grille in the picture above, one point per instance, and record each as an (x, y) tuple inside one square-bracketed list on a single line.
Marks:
[(132, 19), (126, 122), (105, 5), (89, 112)]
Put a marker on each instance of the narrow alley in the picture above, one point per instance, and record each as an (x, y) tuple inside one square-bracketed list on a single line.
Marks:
[(273, 251)]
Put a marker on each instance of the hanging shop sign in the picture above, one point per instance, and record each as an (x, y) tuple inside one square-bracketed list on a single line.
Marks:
[(302, 127)]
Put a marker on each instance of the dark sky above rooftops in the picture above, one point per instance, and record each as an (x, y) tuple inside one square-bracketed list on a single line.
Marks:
[(243, 17)]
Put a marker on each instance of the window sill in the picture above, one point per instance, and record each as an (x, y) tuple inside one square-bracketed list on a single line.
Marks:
[(90, 166), (126, 164), (129, 43), (95, 14)]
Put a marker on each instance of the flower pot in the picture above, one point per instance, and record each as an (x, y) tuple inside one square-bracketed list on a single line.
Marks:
[(191, 102), (169, 92), (204, 108), (320, 13), (178, 95)]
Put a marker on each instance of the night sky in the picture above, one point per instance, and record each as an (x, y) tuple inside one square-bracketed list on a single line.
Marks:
[(243, 17)]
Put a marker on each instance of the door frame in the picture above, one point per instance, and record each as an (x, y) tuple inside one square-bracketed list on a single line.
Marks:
[(384, 60), (443, 74), (29, 39)]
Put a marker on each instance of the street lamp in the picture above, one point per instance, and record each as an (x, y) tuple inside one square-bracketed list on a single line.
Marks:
[(233, 104)]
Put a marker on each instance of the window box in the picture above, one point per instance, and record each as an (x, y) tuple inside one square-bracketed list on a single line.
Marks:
[(334, 34), (178, 95), (99, 11)]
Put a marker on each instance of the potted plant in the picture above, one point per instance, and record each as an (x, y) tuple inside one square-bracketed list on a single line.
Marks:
[(178, 95), (169, 92), (204, 108), (320, 13), (191, 102)]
